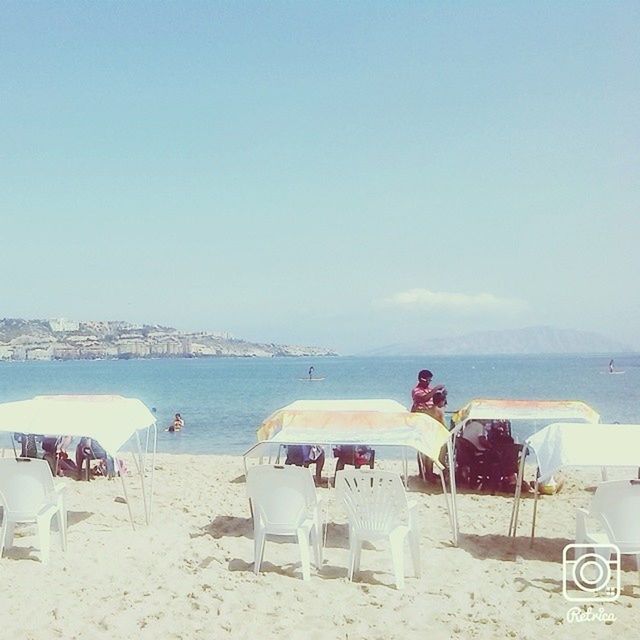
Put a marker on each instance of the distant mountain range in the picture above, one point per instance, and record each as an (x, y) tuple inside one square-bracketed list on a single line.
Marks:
[(530, 340), (61, 339)]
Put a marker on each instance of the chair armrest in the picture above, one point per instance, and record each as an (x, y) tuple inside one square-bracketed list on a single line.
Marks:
[(59, 493), (48, 510), (322, 508)]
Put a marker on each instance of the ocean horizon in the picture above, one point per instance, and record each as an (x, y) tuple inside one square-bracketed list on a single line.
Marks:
[(224, 400)]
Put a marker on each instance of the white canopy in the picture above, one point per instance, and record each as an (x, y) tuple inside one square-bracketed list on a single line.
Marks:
[(371, 422), (111, 420), (566, 444), (585, 445)]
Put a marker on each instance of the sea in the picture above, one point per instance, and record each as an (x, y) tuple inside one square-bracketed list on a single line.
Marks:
[(224, 400)]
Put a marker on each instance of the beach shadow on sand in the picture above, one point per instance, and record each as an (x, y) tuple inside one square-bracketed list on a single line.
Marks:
[(18, 552), (75, 517), (227, 527), (293, 570), (418, 485), (501, 547), (23, 553), (337, 535)]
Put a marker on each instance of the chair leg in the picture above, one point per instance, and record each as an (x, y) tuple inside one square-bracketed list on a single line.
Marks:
[(396, 540), (303, 543), (316, 539), (358, 556), (606, 557), (258, 550), (8, 536), (414, 545), (62, 525), (352, 554), (44, 537)]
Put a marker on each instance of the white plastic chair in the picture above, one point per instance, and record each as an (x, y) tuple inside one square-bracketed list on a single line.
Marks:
[(31, 497), (616, 511), (377, 508), (284, 503)]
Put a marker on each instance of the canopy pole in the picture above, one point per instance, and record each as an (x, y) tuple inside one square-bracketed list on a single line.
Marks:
[(135, 461), (405, 467), (452, 482), (154, 426), (126, 496), (513, 524), (146, 448), (142, 482), (445, 493), (535, 508)]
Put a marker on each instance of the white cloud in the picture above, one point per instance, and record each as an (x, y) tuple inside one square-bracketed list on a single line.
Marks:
[(463, 303)]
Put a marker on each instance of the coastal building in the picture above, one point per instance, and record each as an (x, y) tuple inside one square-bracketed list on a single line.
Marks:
[(38, 353), (62, 325), (65, 352), (128, 348), (6, 352)]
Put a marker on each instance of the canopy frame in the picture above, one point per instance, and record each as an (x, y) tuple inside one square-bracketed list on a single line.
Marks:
[(370, 412), (518, 409)]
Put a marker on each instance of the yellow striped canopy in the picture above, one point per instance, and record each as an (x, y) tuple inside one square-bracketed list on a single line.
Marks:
[(549, 410), (368, 422)]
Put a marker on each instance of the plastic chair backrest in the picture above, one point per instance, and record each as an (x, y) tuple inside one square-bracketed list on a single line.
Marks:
[(617, 505), (375, 500), (281, 496), (26, 483)]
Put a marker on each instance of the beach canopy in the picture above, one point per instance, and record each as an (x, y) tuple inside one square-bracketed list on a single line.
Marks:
[(549, 410), (565, 444), (585, 445), (370, 422), (111, 420)]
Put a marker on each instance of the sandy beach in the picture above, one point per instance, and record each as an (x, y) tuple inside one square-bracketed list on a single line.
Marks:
[(189, 574)]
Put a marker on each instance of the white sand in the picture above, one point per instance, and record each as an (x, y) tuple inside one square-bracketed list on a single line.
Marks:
[(189, 575)]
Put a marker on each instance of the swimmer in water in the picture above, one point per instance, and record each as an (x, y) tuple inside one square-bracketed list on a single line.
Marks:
[(177, 424)]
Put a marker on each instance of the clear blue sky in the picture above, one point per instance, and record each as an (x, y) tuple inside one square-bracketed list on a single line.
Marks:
[(344, 174)]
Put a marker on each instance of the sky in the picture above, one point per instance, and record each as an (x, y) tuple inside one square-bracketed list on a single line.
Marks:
[(349, 175)]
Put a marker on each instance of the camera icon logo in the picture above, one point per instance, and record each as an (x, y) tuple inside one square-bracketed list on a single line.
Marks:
[(593, 570)]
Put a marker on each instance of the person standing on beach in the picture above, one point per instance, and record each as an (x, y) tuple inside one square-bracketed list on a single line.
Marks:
[(422, 394), (424, 398), (439, 403)]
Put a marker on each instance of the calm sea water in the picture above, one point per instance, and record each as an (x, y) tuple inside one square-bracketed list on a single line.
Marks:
[(224, 400)]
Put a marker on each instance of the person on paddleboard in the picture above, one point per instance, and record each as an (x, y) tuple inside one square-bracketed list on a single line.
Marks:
[(311, 370)]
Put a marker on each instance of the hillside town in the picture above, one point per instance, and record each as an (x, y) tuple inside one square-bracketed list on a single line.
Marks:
[(61, 339)]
